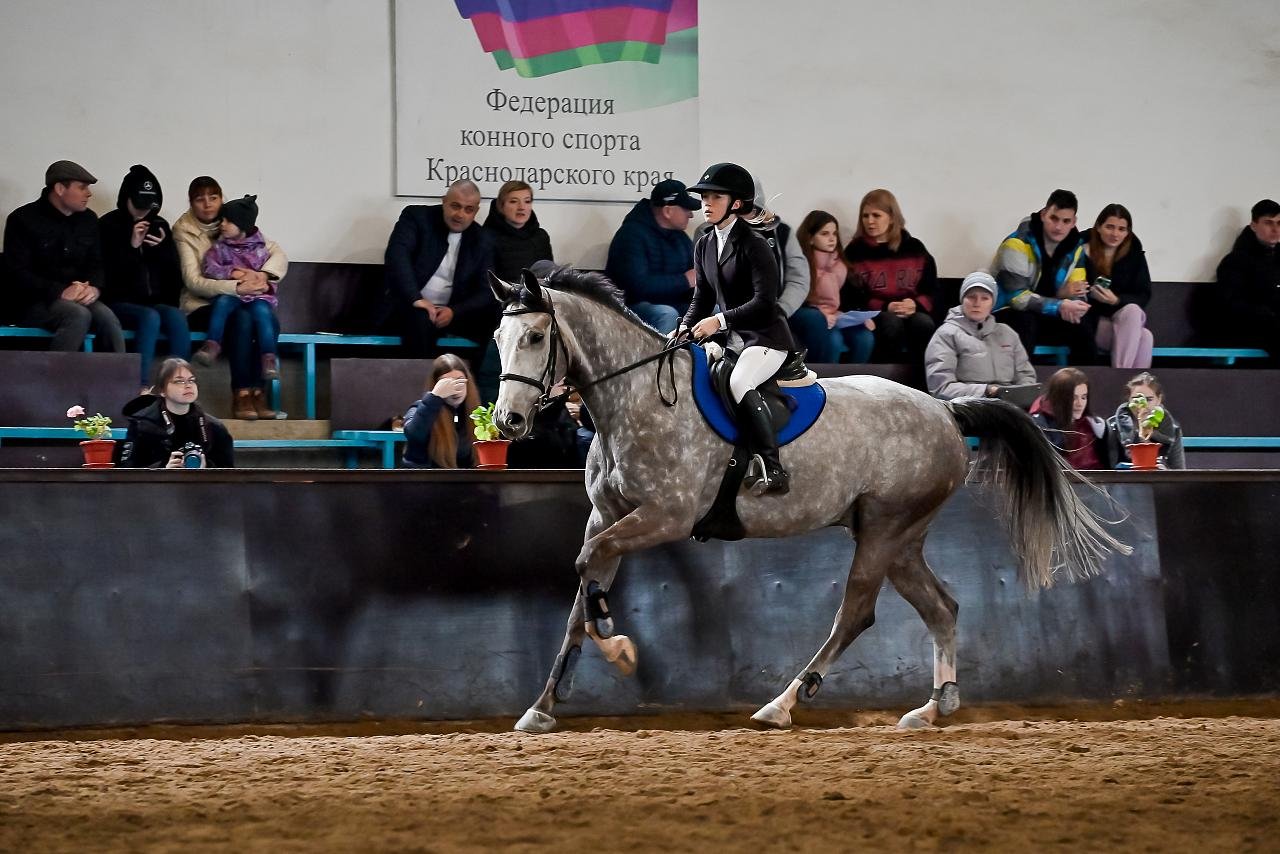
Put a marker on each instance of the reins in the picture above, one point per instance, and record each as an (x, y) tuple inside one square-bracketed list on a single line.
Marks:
[(544, 382)]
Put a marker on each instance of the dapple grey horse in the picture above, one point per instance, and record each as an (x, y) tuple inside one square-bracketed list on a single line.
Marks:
[(880, 461)]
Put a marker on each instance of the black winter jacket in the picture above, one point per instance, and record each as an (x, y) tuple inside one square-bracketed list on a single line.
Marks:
[(516, 249), (744, 283), (148, 275), (46, 250), (1130, 278), (418, 244), (1249, 277), (154, 433)]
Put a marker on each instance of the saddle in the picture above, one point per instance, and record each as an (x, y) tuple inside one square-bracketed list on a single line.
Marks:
[(795, 401)]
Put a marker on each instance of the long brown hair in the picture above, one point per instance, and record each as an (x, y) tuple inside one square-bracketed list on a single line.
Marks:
[(883, 200), (442, 447), (814, 222), (1097, 250), (1060, 393)]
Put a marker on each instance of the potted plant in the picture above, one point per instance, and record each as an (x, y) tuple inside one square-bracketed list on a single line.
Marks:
[(99, 447), (491, 451), (1144, 453)]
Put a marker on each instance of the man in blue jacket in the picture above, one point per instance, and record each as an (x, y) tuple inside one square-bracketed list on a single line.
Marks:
[(651, 256), (436, 265)]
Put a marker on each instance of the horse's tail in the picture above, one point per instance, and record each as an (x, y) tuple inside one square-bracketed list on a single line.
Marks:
[(1049, 527)]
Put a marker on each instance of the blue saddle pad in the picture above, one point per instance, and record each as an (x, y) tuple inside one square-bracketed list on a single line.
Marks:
[(808, 401)]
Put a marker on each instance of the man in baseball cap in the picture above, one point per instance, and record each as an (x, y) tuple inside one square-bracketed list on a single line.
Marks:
[(651, 256), (54, 257)]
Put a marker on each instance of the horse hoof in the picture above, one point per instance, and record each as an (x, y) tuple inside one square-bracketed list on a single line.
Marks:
[(621, 652), (914, 720), (535, 721), (773, 715), (949, 700)]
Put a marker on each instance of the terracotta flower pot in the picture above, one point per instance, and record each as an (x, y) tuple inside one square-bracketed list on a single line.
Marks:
[(491, 453), (98, 453), (1143, 454)]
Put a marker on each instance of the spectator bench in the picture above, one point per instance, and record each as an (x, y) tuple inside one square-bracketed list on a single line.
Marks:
[(1217, 355)]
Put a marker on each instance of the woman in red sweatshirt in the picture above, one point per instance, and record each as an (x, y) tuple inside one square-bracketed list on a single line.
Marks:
[(895, 275)]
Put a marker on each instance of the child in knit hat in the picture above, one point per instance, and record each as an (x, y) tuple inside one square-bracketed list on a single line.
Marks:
[(241, 246)]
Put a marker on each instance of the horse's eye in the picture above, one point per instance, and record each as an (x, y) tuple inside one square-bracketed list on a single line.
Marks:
[(536, 337)]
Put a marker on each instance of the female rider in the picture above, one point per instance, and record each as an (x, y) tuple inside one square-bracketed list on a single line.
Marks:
[(736, 270)]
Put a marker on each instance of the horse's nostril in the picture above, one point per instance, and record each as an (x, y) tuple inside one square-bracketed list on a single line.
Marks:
[(515, 419)]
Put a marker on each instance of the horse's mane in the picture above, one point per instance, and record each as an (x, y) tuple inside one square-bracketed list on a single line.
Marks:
[(596, 287)]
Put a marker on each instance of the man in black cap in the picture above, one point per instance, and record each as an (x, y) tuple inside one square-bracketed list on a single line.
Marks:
[(55, 262), (143, 279), (651, 256)]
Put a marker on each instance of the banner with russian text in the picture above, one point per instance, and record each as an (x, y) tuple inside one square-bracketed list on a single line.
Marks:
[(585, 100)]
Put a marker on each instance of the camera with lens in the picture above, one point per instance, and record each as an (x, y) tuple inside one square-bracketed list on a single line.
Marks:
[(192, 455)]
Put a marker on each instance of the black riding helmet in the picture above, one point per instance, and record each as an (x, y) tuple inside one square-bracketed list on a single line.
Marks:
[(730, 179)]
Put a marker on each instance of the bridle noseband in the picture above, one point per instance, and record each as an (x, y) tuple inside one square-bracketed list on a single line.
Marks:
[(545, 380)]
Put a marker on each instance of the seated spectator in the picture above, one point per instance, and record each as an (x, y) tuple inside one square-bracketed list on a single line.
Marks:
[(651, 256), (551, 443), (585, 428), (1063, 414), (895, 275), (971, 355), (437, 262), (1043, 289), (815, 322), (142, 281), (1145, 391), (167, 426), (194, 232), (438, 429), (1247, 309), (518, 241), (241, 248), (54, 256), (1121, 287)]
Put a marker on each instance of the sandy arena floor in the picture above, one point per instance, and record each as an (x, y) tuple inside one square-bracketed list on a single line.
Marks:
[(1167, 779)]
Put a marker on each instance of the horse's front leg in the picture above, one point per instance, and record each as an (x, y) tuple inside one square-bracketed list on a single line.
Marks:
[(597, 564)]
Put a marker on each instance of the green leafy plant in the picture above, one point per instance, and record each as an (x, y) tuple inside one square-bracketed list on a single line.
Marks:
[(97, 426), (1148, 417), (485, 429)]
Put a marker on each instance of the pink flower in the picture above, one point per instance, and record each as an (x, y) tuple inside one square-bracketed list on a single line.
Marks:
[(75, 412)]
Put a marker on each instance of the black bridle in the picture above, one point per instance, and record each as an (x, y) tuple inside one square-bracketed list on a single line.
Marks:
[(546, 380)]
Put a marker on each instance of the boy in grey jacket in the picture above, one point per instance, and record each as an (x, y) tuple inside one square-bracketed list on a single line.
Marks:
[(972, 355)]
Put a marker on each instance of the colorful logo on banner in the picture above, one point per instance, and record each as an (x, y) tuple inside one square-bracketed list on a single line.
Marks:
[(538, 38)]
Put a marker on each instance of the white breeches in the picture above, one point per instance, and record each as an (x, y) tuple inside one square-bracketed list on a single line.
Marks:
[(755, 365)]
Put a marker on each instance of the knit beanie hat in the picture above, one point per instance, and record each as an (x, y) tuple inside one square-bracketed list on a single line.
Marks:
[(243, 213), (979, 279), (141, 188)]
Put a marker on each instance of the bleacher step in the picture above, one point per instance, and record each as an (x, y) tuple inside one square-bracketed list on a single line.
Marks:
[(300, 429)]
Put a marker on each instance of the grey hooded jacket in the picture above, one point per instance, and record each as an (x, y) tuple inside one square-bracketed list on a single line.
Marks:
[(964, 357)]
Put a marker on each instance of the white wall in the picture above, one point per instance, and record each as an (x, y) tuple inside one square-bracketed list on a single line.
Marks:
[(970, 112)]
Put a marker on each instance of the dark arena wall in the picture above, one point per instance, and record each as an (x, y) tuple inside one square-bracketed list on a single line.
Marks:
[(130, 597)]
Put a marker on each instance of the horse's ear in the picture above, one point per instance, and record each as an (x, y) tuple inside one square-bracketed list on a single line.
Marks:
[(502, 292), (532, 285)]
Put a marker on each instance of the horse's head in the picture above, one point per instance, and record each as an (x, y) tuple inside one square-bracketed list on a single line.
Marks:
[(531, 352)]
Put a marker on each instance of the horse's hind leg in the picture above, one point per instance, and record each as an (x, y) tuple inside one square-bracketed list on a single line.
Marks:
[(913, 579), (538, 718), (856, 615)]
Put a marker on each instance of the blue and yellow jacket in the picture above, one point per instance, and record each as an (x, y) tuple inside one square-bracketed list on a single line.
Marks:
[(1020, 260)]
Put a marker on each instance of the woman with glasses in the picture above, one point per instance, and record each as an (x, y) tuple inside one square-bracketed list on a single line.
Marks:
[(168, 430)]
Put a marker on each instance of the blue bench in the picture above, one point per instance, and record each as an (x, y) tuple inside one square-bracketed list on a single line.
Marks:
[(384, 440), (1219, 355), (1251, 443), (347, 444), (309, 341)]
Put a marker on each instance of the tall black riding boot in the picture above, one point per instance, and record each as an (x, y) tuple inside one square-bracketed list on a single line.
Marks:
[(765, 473)]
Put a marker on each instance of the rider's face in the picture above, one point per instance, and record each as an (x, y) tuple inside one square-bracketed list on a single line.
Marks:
[(715, 206)]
